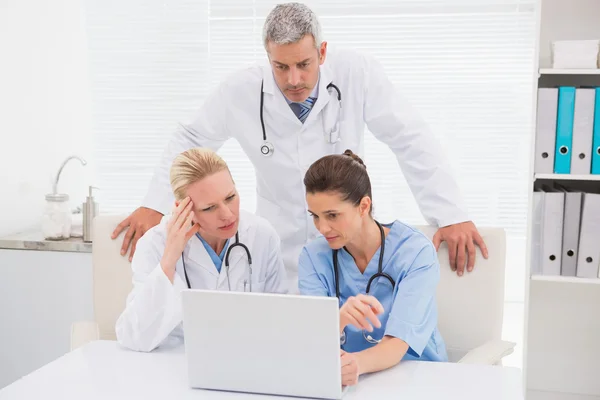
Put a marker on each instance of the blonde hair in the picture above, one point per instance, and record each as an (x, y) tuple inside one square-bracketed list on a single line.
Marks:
[(191, 166)]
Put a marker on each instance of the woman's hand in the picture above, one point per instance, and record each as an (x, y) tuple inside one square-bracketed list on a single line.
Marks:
[(359, 310), (179, 230), (350, 369)]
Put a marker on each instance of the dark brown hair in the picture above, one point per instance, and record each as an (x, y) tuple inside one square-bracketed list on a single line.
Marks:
[(344, 173)]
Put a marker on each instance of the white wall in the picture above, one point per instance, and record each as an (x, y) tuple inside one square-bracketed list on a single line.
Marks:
[(44, 106), (45, 111), (41, 294), (567, 20)]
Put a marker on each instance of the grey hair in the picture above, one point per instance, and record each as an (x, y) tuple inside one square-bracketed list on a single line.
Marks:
[(289, 23)]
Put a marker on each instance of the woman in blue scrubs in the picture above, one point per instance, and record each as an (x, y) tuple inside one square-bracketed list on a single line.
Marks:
[(386, 275)]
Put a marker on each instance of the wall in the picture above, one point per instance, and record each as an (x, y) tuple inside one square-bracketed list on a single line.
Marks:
[(44, 107), (44, 117), (45, 112), (41, 294), (567, 20)]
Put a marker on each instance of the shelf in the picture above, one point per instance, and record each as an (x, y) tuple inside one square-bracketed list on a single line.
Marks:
[(568, 177), (541, 395), (552, 71), (565, 279)]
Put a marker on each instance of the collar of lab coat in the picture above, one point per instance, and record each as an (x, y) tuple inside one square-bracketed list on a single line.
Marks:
[(197, 254), (279, 100)]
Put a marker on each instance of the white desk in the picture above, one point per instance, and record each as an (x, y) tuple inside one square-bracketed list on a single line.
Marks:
[(102, 370)]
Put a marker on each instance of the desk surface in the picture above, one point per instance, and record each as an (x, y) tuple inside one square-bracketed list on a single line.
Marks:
[(102, 370)]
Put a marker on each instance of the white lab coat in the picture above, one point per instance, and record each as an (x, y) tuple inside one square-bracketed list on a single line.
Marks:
[(153, 313), (368, 98)]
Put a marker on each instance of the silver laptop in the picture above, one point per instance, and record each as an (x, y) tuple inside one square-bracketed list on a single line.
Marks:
[(262, 343)]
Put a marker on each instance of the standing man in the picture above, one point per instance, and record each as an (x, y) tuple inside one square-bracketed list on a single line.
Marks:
[(307, 103)]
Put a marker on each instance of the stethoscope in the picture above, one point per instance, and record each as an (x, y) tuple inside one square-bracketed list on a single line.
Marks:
[(379, 274), (237, 243), (267, 148)]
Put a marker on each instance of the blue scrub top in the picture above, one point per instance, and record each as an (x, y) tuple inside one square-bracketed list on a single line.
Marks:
[(410, 310), (216, 259)]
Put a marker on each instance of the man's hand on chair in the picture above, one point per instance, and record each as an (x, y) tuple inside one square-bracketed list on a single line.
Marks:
[(138, 222), (461, 239)]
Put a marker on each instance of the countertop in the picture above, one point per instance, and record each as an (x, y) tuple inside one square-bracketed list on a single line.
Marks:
[(34, 240)]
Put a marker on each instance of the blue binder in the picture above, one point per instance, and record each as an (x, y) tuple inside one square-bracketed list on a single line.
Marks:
[(596, 139), (564, 129)]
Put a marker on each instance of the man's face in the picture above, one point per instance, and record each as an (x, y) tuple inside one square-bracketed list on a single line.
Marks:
[(296, 66)]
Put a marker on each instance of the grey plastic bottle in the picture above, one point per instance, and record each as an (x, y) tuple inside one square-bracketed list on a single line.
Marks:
[(90, 210)]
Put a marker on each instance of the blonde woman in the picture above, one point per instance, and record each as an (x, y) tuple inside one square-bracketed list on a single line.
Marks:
[(206, 243)]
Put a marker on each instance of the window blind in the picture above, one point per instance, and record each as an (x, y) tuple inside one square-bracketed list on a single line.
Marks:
[(466, 66)]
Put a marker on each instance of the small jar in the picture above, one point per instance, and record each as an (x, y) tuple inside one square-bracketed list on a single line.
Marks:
[(56, 220)]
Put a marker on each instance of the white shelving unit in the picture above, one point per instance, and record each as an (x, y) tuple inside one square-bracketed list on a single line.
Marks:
[(552, 71), (561, 352), (566, 177), (566, 279)]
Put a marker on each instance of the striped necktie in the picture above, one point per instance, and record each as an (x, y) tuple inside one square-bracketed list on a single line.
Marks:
[(303, 109)]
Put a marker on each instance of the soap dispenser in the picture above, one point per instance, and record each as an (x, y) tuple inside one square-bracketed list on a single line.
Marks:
[(90, 210)]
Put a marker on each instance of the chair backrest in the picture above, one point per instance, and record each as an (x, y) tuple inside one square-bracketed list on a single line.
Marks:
[(111, 273), (471, 307)]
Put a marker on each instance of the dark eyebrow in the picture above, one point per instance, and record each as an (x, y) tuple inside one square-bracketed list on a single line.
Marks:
[(285, 65), (326, 212)]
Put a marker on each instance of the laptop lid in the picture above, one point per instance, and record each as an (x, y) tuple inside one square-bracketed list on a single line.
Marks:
[(262, 343)]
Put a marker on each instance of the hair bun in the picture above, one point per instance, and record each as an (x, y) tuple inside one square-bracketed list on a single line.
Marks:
[(353, 156)]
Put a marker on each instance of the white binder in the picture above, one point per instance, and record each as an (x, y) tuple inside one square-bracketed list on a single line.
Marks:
[(536, 234), (570, 237), (552, 228), (545, 135), (583, 129), (589, 237)]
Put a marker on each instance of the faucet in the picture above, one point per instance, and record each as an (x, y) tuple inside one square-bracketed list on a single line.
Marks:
[(55, 184)]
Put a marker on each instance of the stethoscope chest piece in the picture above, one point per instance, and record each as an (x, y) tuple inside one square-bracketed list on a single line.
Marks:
[(380, 274), (267, 149)]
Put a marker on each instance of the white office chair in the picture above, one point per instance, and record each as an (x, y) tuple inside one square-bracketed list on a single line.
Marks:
[(470, 307), (112, 283)]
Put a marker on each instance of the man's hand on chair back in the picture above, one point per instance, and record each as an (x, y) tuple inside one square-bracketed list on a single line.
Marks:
[(137, 223)]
